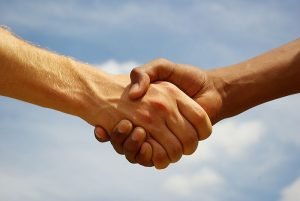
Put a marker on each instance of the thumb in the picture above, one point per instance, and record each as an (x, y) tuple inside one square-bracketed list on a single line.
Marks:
[(140, 82), (141, 77), (101, 134)]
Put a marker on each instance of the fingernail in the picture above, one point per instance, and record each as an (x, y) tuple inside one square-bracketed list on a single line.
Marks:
[(122, 129), (134, 137), (96, 130), (98, 135)]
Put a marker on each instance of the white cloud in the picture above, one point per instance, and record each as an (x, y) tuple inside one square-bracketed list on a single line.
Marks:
[(230, 139), (46, 156), (230, 18), (286, 118), (10, 181), (203, 182), (234, 138), (221, 28), (114, 67), (291, 192)]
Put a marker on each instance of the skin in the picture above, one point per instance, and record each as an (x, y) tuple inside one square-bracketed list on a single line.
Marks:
[(222, 92), (172, 121)]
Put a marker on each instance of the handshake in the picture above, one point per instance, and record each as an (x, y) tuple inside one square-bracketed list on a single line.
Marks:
[(168, 108), (160, 112)]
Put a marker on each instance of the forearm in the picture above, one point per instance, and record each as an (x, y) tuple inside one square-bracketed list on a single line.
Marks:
[(40, 77), (264, 78)]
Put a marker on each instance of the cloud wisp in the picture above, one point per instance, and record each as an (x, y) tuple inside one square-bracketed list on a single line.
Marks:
[(47, 155), (291, 192)]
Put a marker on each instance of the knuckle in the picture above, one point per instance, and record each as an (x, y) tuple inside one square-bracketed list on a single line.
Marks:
[(136, 70), (144, 156), (170, 88), (163, 165), (204, 135), (200, 115), (190, 144), (130, 159), (176, 154), (205, 128), (118, 149), (209, 130), (141, 159), (130, 148), (160, 158), (116, 136), (149, 164), (158, 104), (124, 126), (138, 135), (161, 60), (143, 116), (142, 162)]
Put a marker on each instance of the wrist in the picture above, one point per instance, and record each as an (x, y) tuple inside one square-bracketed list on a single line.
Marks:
[(217, 87), (224, 82), (238, 86), (102, 94)]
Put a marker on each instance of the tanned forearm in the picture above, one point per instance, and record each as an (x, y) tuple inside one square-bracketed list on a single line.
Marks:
[(264, 78)]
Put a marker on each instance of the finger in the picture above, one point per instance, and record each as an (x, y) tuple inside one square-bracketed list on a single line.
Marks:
[(101, 134), (185, 133), (133, 143), (169, 142), (160, 157), (140, 82), (160, 69), (196, 115), (121, 131), (144, 157)]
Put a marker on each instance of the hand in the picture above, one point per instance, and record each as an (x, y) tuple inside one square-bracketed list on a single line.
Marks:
[(134, 147), (198, 84), (172, 119), (229, 91)]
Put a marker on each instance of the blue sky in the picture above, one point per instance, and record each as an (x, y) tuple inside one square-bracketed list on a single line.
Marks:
[(46, 155)]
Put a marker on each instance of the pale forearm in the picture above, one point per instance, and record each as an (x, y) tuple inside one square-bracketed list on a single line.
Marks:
[(264, 78), (43, 78)]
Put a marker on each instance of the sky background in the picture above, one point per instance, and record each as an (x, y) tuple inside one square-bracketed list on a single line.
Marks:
[(47, 155)]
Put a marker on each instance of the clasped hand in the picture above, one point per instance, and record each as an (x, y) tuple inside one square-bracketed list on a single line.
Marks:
[(160, 122)]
